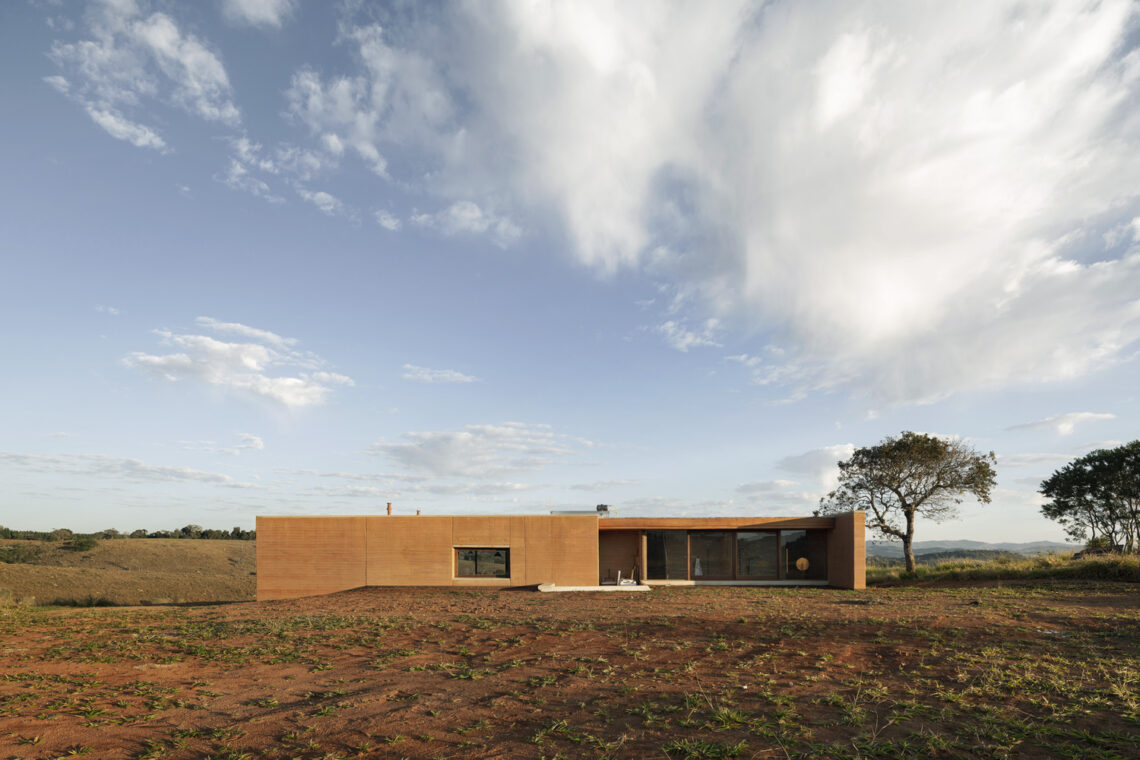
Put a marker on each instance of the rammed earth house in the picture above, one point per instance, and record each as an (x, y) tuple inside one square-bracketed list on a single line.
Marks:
[(303, 556)]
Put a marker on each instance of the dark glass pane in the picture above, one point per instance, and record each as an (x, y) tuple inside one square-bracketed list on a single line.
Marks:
[(805, 554), (493, 562), (466, 562), (757, 554), (666, 555), (710, 555)]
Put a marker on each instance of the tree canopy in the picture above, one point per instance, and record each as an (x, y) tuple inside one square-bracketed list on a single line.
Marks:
[(1097, 497), (903, 477)]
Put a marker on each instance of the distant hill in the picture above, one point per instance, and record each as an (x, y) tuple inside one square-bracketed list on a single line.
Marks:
[(894, 548), (128, 571), (951, 555)]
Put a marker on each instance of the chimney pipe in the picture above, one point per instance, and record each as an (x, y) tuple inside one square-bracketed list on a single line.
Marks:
[(389, 507)]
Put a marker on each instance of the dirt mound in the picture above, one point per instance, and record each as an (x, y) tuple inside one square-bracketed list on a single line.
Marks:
[(129, 571)]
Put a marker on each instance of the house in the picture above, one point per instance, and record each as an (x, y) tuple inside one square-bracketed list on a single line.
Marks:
[(304, 556)]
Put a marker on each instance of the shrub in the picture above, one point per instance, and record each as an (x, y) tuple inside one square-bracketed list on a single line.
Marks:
[(82, 544)]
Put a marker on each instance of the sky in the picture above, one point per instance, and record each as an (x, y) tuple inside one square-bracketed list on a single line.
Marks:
[(282, 257)]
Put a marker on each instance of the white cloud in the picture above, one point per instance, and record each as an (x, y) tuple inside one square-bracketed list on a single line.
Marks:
[(466, 218), (480, 451), (872, 188), (425, 375), (130, 59), (268, 14), (397, 99), (242, 367), (328, 204), (250, 441), (117, 126), (107, 310), (820, 465), (245, 331), (238, 177), (1064, 424), (682, 339), (387, 220)]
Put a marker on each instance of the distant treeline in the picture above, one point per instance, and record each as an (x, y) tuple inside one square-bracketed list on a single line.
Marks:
[(187, 531), (937, 558)]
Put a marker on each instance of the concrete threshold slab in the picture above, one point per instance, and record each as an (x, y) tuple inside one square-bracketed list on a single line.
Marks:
[(547, 588)]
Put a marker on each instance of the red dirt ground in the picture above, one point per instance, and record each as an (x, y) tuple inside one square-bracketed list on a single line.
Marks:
[(998, 671)]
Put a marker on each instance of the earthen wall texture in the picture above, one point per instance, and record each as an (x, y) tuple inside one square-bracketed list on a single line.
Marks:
[(847, 552), (305, 556)]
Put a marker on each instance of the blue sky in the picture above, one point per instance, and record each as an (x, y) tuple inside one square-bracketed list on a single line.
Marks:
[(271, 257)]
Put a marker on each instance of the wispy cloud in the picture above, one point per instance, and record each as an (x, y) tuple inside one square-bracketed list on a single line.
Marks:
[(107, 310), (114, 467), (267, 14), (1064, 424), (425, 375), (246, 441), (325, 202), (481, 451), (131, 58), (682, 338), (467, 218), (387, 220), (764, 487), (242, 367)]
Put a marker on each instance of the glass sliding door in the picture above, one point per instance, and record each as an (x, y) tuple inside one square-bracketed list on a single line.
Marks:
[(711, 555), (757, 555), (804, 554), (667, 555)]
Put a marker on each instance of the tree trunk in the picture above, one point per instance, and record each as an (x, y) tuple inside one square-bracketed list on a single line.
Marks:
[(908, 544)]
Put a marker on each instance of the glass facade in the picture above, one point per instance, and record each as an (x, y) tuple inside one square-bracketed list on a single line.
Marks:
[(710, 555), (746, 555), (757, 556), (482, 563), (667, 554), (804, 554)]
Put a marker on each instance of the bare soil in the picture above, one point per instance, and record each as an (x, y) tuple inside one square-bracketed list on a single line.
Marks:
[(1005, 670)]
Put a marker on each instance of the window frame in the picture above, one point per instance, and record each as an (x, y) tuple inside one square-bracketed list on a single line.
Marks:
[(781, 558), (481, 576)]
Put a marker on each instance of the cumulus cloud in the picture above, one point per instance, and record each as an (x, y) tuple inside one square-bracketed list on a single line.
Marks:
[(259, 367), (425, 375), (480, 451), (131, 58), (267, 14), (819, 465), (1064, 424), (872, 189)]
